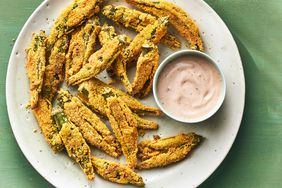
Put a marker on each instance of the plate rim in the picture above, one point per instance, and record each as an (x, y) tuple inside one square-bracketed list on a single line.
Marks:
[(12, 116)]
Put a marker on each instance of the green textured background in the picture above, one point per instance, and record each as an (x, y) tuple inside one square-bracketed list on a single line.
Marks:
[(255, 159)]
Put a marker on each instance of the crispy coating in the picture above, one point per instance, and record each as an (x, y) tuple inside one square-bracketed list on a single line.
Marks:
[(145, 124), (147, 65), (116, 172), (91, 93), (53, 76), (153, 33), (98, 103), (92, 128), (136, 20), (71, 17), (75, 144), (106, 34), (99, 61), (82, 45), (162, 152), (178, 18), (124, 126), (36, 62), (54, 72), (43, 114)]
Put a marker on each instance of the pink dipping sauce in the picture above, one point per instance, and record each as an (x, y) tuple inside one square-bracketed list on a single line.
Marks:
[(189, 87)]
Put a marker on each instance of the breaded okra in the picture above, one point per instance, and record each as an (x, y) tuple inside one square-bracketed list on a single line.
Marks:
[(71, 17), (43, 114), (53, 76), (145, 124), (54, 72), (82, 45), (147, 64), (75, 144), (36, 62), (153, 33), (116, 172), (124, 126), (107, 34), (91, 93), (136, 20), (178, 18), (92, 128), (162, 152), (100, 60)]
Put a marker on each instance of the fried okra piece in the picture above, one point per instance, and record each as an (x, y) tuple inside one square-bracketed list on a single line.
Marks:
[(82, 45), (162, 152), (35, 66), (43, 115), (136, 20), (54, 72), (99, 61), (107, 34), (75, 144), (71, 17), (178, 18), (91, 93), (153, 33), (147, 65), (98, 102), (124, 126), (145, 124), (94, 131), (116, 172)]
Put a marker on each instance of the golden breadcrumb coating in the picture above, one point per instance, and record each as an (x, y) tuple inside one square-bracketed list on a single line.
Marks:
[(136, 20), (99, 61), (43, 114), (147, 65), (82, 45), (153, 33), (162, 152), (54, 72), (107, 34), (124, 126), (71, 17), (75, 144), (36, 62), (94, 131), (178, 18), (91, 93), (116, 172)]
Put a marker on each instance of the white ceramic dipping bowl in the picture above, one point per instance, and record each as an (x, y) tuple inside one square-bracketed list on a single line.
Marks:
[(196, 54)]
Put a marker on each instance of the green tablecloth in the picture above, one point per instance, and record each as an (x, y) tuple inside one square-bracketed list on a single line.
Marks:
[(255, 159)]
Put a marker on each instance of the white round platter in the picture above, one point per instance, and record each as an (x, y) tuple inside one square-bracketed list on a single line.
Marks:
[(219, 131)]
